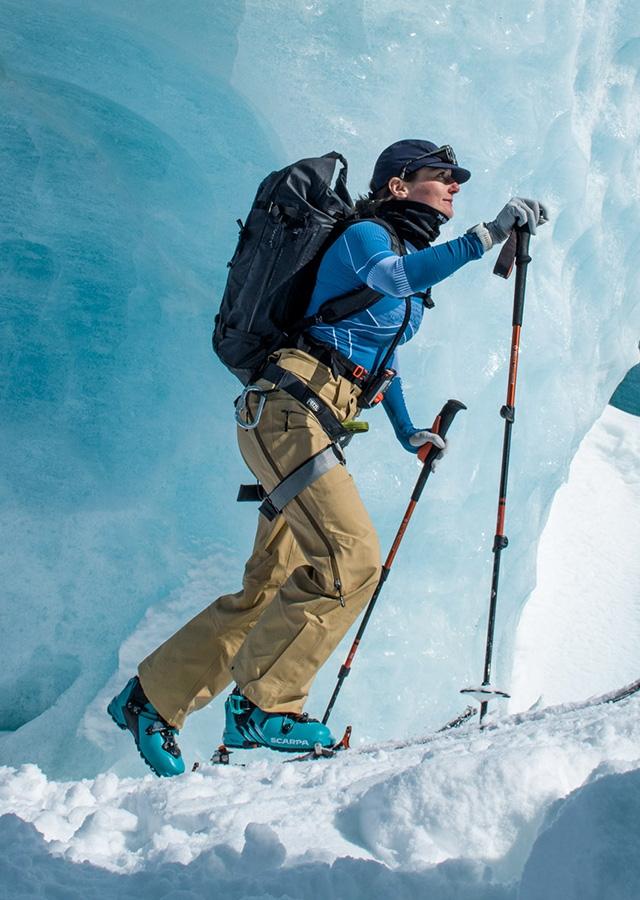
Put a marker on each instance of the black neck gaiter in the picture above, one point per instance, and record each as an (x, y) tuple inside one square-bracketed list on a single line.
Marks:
[(415, 222)]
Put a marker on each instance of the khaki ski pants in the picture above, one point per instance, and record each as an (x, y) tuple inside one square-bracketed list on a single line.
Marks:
[(311, 572)]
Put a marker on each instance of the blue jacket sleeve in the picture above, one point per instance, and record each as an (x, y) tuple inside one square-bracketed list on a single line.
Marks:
[(366, 249), (433, 264), (396, 408)]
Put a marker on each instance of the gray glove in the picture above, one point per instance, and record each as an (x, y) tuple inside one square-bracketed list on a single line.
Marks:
[(419, 438), (518, 211)]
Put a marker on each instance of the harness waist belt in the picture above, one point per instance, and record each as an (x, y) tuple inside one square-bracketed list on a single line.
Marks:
[(292, 385), (299, 479), (334, 360)]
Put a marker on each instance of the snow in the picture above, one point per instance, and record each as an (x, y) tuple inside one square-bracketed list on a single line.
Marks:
[(580, 630), (509, 810), (133, 136)]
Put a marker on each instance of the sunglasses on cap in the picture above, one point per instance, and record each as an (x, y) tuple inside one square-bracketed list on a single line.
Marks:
[(444, 154)]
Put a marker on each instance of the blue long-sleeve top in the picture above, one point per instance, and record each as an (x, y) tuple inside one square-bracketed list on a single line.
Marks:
[(363, 255)]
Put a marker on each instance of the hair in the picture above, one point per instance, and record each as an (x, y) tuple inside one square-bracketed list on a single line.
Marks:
[(368, 204)]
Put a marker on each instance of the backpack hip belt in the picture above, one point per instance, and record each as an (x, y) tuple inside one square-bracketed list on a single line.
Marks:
[(372, 385)]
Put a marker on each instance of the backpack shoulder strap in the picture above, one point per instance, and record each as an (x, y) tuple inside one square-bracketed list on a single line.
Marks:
[(360, 298)]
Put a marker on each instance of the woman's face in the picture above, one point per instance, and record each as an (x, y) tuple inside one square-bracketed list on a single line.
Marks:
[(435, 187)]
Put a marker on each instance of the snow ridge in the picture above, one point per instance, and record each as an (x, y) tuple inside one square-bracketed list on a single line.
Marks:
[(463, 814)]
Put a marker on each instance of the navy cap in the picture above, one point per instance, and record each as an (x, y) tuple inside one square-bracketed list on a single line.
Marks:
[(408, 156)]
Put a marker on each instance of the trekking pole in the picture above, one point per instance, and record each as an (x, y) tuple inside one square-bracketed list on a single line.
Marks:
[(427, 454), (522, 259)]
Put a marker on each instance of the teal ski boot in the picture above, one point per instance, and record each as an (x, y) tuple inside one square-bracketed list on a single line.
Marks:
[(155, 738), (247, 726)]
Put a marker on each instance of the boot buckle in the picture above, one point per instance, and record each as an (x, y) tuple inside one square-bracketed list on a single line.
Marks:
[(239, 705)]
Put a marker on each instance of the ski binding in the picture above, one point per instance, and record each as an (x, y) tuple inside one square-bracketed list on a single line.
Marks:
[(222, 756), (320, 752)]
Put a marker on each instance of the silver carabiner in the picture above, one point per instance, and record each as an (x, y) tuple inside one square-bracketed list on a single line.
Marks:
[(242, 411)]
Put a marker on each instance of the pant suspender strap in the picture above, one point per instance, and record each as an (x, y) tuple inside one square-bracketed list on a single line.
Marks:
[(292, 385), (299, 479)]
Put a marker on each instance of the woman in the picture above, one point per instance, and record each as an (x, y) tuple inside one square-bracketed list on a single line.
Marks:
[(316, 559)]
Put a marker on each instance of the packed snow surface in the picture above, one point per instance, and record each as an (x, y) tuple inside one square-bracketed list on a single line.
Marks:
[(545, 805)]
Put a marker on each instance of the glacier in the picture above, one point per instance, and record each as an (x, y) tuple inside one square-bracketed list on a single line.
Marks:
[(132, 137), (129, 147), (540, 805), (580, 628)]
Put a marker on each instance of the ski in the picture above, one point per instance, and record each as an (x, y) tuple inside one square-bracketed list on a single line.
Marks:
[(464, 716), (615, 696), (222, 754), (611, 697)]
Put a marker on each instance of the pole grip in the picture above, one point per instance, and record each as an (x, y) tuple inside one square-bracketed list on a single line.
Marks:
[(523, 237), (428, 453), (447, 414), (441, 424), (514, 249)]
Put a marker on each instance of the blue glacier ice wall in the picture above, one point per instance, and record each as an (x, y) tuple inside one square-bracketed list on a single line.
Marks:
[(133, 136), (627, 395)]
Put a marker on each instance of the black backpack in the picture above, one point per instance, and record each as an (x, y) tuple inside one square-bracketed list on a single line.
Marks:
[(296, 215)]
